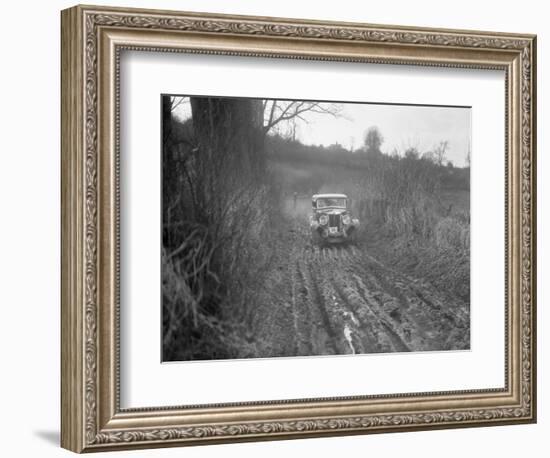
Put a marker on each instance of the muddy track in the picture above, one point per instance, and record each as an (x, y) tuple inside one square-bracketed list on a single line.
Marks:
[(342, 300)]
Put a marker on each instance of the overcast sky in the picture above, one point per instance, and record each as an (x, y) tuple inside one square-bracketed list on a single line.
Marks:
[(402, 126)]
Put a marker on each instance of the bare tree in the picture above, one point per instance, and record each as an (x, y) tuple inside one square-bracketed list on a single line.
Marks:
[(278, 111), (373, 141), (440, 152), (176, 101)]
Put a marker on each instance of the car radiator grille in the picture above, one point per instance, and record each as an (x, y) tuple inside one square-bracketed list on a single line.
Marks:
[(334, 220)]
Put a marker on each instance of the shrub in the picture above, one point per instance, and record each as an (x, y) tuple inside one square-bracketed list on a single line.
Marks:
[(451, 233)]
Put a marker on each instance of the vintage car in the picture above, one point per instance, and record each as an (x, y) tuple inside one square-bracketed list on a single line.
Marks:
[(331, 221)]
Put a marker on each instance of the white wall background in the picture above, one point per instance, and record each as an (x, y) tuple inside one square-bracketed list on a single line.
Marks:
[(29, 229)]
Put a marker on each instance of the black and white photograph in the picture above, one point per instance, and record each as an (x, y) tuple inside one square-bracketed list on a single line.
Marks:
[(306, 228)]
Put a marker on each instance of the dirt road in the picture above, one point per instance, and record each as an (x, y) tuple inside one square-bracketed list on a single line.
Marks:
[(342, 300)]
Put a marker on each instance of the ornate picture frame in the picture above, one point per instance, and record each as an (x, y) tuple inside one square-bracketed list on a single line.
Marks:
[(92, 40)]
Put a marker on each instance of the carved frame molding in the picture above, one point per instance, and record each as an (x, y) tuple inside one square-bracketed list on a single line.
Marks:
[(92, 39)]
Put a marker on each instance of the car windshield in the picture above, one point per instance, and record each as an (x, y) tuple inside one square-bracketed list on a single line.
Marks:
[(331, 202)]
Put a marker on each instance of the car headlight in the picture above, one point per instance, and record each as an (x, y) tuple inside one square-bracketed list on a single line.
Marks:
[(323, 220), (346, 219)]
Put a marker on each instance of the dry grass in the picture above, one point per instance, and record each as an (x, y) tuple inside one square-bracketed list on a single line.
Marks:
[(210, 275), (418, 231)]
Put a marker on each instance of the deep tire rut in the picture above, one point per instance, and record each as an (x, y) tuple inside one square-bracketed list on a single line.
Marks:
[(342, 300)]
